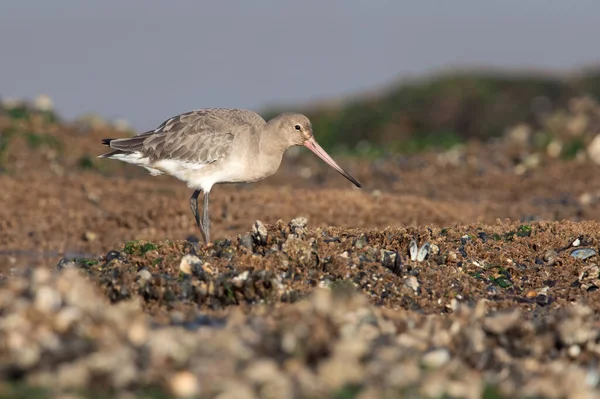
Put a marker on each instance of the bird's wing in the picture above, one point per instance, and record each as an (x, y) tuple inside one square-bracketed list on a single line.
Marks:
[(202, 136)]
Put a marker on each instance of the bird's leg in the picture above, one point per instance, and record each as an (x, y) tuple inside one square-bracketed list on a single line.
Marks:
[(194, 206), (206, 219)]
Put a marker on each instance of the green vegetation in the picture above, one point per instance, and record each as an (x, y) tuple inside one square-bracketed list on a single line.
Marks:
[(443, 111), (524, 231), (572, 148), (138, 248), (501, 282), (157, 261), (37, 140), (86, 262), (5, 138), (438, 112), (348, 391), (88, 162)]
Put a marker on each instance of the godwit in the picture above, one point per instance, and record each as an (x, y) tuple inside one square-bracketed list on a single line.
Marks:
[(210, 146)]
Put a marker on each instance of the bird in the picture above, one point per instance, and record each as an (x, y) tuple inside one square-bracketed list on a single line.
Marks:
[(211, 146)]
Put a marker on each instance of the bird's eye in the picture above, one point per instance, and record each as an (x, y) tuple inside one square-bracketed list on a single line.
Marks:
[(297, 127)]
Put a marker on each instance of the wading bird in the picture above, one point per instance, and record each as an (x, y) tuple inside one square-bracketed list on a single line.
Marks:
[(210, 146)]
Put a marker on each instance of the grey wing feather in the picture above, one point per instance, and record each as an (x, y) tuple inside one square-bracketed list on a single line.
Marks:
[(201, 136)]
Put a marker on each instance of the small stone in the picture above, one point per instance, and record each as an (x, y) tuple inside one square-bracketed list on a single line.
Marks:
[(389, 260), (262, 371), (89, 236), (550, 256), (583, 253), (299, 222), (452, 257), (298, 226), (111, 255), (259, 233), (144, 276), (239, 280), (574, 351), (586, 199), (66, 263), (412, 283), (554, 149), (453, 305), (325, 283), (184, 385), (501, 322), (138, 334), (360, 242), (187, 263), (531, 294), (246, 241), (593, 150), (47, 300), (436, 358)]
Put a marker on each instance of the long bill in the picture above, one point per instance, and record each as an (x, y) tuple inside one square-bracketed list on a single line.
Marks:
[(312, 145)]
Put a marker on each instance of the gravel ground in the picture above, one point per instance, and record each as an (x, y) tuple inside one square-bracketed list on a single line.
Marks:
[(466, 273)]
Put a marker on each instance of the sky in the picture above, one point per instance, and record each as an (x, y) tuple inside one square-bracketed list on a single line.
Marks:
[(147, 60)]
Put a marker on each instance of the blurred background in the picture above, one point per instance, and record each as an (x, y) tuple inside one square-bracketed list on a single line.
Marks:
[(142, 61), (447, 112)]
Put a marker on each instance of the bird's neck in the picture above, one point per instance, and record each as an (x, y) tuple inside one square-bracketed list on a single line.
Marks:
[(272, 142)]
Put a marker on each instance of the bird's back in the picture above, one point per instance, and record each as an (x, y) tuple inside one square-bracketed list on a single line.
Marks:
[(203, 135)]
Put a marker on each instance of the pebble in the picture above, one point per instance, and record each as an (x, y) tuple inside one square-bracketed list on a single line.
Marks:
[(111, 255), (593, 149), (90, 236), (360, 242), (583, 253), (186, 266), (144, 276), (299, 222), (259, 232), (452, 257), (412, 283), (47, 300), (246, 241), (298, 226), (550, 256), (574, 350), (66, 263), (501, 322), (389, 260), (531, 294), (436, 358), (184, 385)]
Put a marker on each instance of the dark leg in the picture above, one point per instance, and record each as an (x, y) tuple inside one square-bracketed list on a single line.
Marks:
[(206, 220), (194, 206)]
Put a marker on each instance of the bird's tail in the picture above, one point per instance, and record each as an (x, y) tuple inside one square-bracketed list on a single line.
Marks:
[(124, 146)]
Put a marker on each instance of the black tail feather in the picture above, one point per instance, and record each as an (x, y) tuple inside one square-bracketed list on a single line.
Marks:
[(106, 142), (110, 154)]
